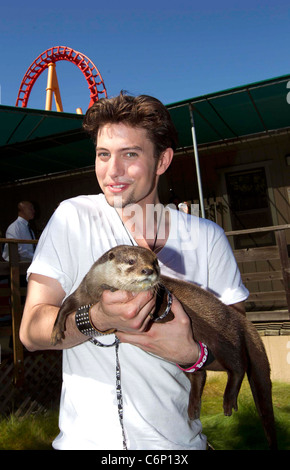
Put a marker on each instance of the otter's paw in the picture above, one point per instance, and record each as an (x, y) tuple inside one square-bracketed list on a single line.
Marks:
[(230, 405), (56, 336)]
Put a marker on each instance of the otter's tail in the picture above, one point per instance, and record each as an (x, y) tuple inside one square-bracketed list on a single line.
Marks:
[(258, 372)]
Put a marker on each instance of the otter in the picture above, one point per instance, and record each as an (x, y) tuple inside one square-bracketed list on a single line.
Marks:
[(232, 339)]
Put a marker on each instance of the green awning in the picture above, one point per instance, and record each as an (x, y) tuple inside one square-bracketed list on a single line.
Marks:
[(35, 143), (234, 114)]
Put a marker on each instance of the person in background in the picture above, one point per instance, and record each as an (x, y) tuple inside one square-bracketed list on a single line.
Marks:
[(20, 229)]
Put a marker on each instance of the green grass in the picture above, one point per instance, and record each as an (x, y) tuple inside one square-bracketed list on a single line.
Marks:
[(35, 432), (241, 431)]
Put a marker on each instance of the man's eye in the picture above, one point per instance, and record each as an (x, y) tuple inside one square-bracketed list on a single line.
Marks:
[(103, 154), (131, 154)]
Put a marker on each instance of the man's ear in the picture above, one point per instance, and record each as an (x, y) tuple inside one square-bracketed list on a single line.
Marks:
[(164, 161)]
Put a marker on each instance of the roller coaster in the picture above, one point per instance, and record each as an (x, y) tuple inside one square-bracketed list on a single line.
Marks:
[(47, 60)]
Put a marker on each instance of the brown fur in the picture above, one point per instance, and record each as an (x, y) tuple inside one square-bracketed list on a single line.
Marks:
[(232, 339)]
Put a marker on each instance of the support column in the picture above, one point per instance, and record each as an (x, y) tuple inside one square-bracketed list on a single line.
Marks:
[(52, 88), (195, 151)]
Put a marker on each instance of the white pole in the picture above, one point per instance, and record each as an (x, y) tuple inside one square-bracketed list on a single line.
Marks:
[(197, 163)]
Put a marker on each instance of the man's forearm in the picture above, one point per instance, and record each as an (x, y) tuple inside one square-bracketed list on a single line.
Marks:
[(35, 333)]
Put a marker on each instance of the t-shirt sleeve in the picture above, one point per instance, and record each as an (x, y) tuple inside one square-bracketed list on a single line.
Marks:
[(55, 255), (224, 275)]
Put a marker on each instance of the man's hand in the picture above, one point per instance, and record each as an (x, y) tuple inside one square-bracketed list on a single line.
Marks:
[(172, 340), (124, 311)]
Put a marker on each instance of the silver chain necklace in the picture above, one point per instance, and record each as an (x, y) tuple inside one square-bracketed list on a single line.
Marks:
[(130, 235)]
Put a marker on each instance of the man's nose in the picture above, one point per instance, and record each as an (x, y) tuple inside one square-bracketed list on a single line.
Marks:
[(116, 167)]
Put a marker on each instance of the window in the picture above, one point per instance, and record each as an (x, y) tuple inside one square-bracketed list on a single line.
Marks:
[(249, 206)]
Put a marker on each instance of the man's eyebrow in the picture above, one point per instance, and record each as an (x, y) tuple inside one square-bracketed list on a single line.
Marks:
[(133, 147)]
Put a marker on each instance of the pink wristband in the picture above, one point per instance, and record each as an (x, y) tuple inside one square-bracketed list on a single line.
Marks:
[(201, 360)]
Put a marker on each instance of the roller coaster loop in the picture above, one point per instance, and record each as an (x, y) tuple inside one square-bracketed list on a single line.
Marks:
[(50, 56)]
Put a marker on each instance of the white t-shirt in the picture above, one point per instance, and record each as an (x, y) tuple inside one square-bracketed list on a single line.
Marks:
[(155, 392)]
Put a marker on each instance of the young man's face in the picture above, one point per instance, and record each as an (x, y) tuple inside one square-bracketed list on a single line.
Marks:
[(126, 168)]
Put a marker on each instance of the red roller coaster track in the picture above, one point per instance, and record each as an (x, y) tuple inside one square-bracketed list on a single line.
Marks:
[(95, 82)]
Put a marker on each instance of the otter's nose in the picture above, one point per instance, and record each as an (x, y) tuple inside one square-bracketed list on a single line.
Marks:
[(147, 271)]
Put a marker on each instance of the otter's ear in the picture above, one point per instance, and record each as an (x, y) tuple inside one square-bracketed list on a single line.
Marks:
[(111, 256)]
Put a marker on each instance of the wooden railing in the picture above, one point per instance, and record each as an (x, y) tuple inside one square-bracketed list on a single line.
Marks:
[(279, 253), (15, 292)]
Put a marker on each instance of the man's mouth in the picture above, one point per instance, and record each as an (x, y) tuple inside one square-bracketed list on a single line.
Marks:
[(117, 188)]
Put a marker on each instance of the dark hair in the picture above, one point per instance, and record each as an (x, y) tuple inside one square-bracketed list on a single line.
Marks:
[(136, 111)]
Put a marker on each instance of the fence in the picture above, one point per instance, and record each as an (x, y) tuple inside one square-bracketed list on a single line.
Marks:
[(266, 273), (29, 382)]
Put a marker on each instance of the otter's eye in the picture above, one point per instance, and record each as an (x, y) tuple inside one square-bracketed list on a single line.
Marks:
[(131, 262)]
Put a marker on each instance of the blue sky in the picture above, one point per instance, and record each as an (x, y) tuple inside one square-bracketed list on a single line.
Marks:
[(173, 50)]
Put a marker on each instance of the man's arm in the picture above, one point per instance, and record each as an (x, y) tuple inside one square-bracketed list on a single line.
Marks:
[(44, 297), (120, 310), (172, 340)]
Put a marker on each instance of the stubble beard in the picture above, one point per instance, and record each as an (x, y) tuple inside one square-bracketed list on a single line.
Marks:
[(123, 201)]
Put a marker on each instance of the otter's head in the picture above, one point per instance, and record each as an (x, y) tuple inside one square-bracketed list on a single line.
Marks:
[(130, 268)]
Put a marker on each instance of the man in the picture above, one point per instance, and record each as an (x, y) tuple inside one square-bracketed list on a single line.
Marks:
[(19, 229), (135, 141)]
